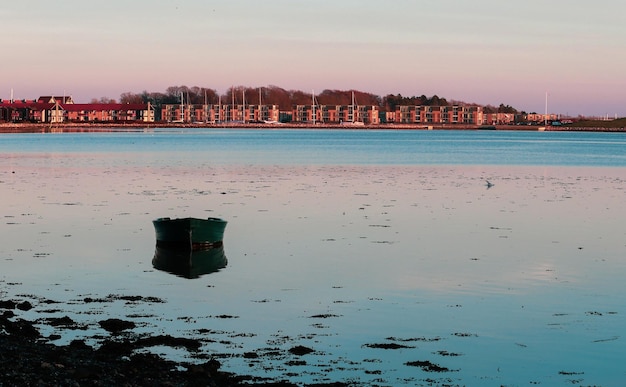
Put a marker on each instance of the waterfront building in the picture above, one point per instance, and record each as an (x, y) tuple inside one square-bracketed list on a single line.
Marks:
[(219, 113), (59, 109), (498, 118), (65, 99), (52, 109), (540, 118), (429, 115)]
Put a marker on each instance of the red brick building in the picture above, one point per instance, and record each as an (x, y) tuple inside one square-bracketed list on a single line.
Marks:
[(54, 109)]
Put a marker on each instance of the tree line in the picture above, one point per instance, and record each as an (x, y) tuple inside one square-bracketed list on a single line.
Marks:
[(286, 99)]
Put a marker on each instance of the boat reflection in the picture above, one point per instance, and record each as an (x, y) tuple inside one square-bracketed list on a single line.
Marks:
[(189, 264)]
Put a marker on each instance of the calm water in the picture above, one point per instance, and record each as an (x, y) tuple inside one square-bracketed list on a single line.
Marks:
[(381, 251), (323, 147)]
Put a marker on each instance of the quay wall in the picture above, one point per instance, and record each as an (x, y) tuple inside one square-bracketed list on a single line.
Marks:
[(139, 126)]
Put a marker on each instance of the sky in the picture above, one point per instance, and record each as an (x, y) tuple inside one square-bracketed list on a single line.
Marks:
[(481, 51)]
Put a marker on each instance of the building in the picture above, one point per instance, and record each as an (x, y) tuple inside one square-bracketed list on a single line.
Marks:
[(54, 109), (323, 114), (54, 99), (219, 113), (428, 115), (59, 109), (108, 112), (541, 118), (498, 118)]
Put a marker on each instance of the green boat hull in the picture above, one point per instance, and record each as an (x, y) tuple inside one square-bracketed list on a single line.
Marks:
[(189, 233)]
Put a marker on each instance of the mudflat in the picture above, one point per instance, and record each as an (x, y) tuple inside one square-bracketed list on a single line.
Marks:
[(336, 274)]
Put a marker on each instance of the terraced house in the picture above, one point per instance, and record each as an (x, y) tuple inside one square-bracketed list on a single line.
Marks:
[(58, 109), (323, 114), (335, 114)]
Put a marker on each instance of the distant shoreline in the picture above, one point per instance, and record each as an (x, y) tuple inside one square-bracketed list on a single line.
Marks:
[(140, 126)]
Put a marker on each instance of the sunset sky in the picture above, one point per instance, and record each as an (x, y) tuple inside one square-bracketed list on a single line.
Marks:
[(482, 51)]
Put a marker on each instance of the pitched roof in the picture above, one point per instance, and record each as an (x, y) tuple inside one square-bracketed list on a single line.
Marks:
[(18, 104), (77, 107), (73, 107), (55, 98)]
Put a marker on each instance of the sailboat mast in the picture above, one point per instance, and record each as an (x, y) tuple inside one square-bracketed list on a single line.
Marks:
[(182, 107), (189, 106), (313, 104), (545, 118), (353, 110)]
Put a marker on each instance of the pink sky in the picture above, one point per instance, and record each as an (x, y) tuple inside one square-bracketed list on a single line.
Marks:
[(485, 51)]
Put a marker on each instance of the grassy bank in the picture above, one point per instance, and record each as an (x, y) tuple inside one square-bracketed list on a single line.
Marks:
[(619, 123)]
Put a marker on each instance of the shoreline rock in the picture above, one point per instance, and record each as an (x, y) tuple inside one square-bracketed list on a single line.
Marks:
[(27, 358)]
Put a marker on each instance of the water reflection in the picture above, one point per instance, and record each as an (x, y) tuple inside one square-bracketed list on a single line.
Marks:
[(517, 284), (189, 264)]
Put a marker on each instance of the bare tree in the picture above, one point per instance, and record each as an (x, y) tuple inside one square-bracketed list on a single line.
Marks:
[(129, 97)]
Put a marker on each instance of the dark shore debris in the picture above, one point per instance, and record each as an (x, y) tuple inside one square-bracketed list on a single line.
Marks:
[(224, 316), (10, 304), (607, 339), (128, 299), (387, 346), (424, 339), (26, 359), (428, 366), (115, 325), (446, 353), (28, 362), (572, 374), (300, 350), (327, 315), (62, 322), (464, 334), (19, 328), (295, 363)]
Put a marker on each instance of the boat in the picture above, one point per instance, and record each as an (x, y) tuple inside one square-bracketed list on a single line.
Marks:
[(189, 264), (182, 110), (191, 234), (354, 113)]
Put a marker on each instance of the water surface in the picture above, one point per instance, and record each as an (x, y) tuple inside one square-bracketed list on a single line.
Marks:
[(379, 265), (199, 147)]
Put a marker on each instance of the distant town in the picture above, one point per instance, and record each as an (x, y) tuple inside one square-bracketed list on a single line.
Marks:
[(270, 106)]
